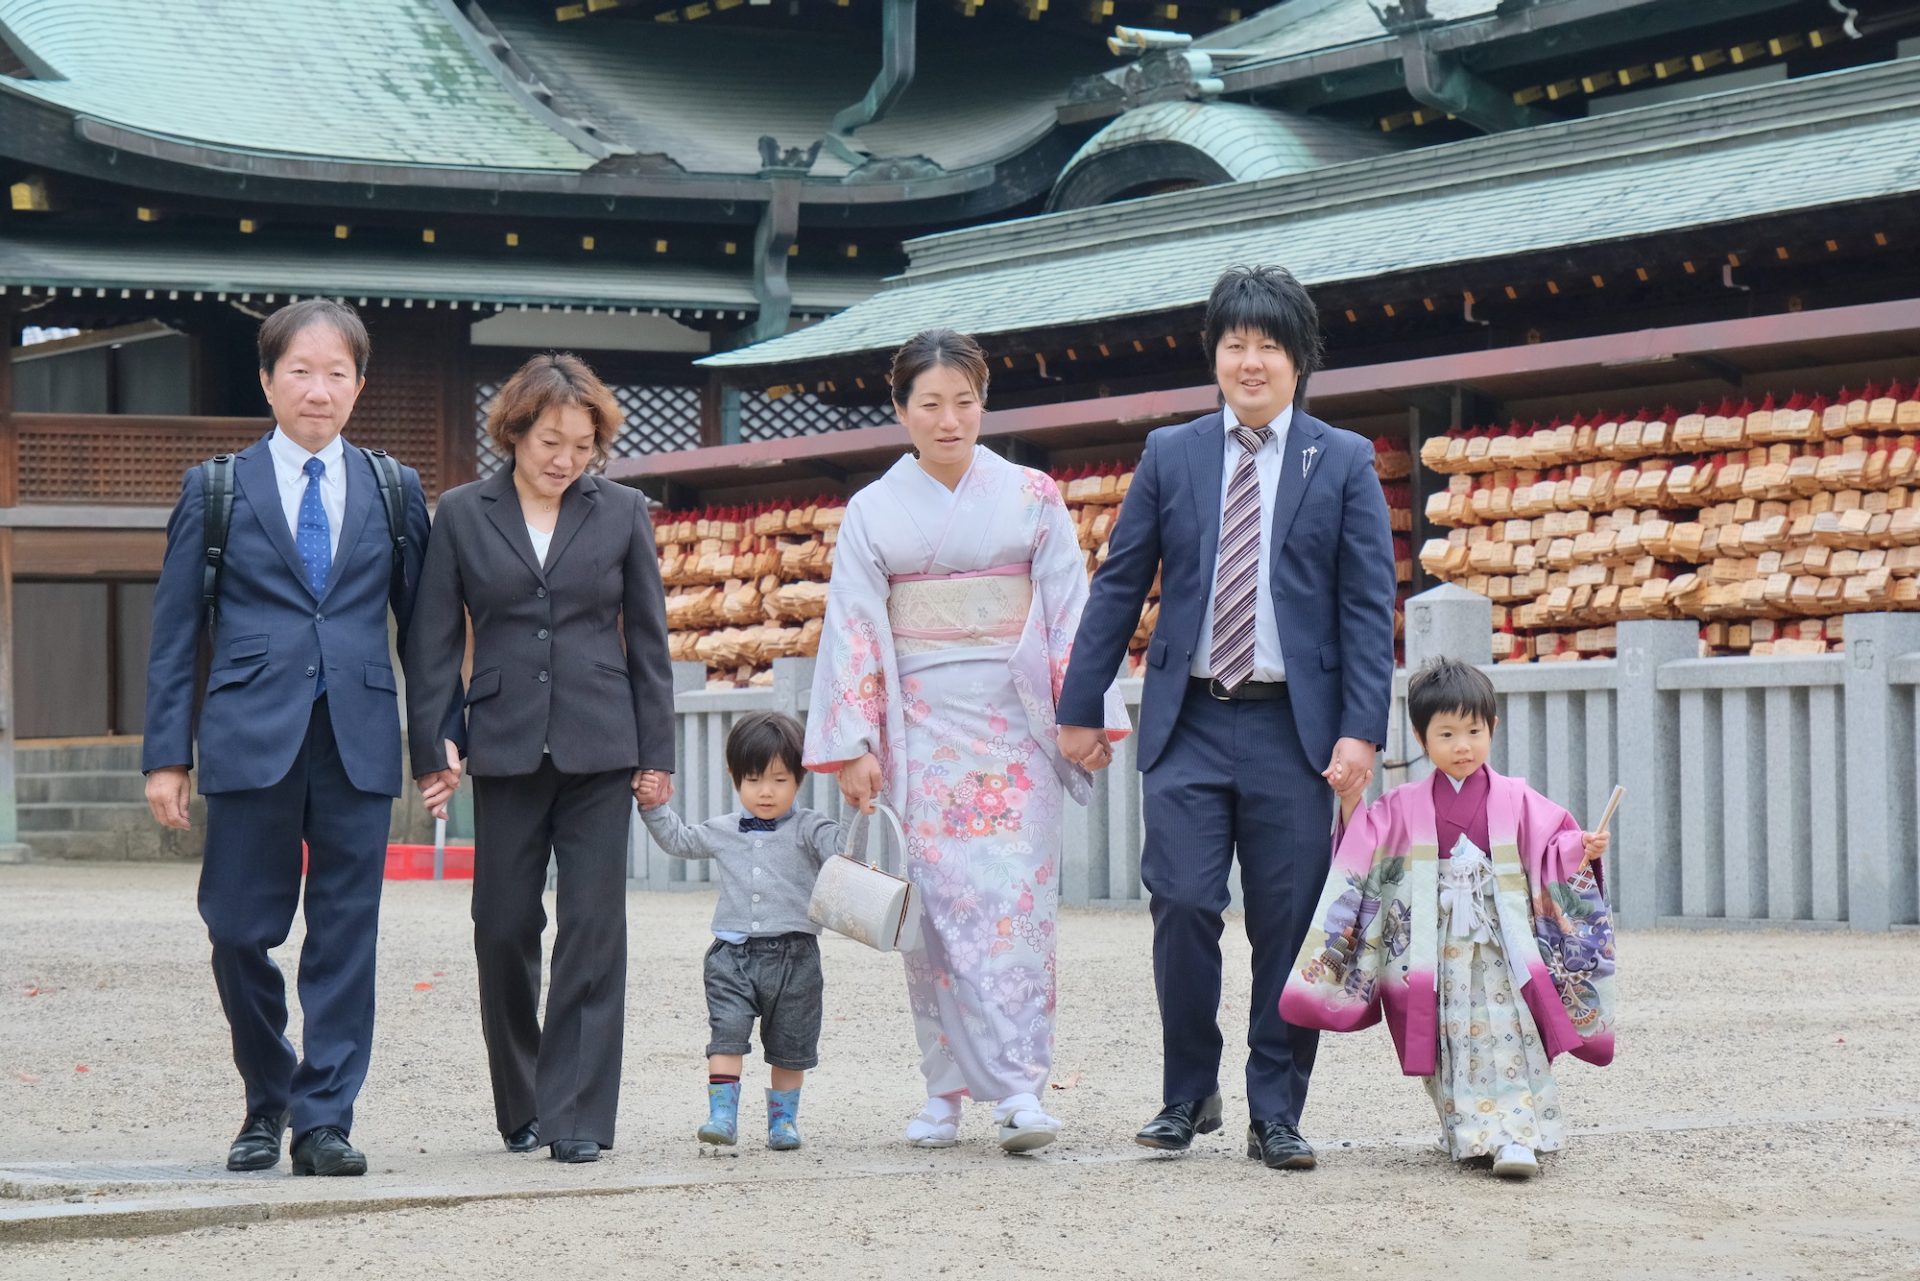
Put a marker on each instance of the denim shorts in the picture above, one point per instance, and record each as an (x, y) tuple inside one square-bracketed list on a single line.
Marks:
[(776, 980)]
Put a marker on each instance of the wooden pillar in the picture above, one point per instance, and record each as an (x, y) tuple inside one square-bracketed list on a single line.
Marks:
[(1425, 420), (459, 447), (11, 850), (719, 403)]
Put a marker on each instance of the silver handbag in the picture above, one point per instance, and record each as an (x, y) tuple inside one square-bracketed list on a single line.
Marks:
[(863, 902)]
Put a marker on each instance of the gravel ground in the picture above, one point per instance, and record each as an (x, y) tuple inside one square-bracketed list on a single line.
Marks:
[(1761, 1121)]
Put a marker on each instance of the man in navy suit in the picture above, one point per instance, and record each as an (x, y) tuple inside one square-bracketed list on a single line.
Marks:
[(299, 734), (1267, 685)]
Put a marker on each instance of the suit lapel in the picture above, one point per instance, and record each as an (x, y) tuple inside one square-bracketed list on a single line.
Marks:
[(575, 505), (1305, 459), (360, 496), (503, 509), (254, 476), (1206, 457)]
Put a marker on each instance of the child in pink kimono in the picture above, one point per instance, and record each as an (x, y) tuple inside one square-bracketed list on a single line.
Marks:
[(1466, 910)]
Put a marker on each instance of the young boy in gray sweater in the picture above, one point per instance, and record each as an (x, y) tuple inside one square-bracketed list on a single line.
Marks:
[(765, 959)]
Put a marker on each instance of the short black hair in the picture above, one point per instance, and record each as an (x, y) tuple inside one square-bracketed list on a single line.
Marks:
[(1267, 300), (759, 739), (278, 331), (1447, 685)]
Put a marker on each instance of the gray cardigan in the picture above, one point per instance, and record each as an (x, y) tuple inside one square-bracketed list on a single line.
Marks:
[(766, 878)]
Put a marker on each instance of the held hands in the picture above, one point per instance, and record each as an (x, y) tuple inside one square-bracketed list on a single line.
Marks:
[(1350, 770), (860, 782), (652, 788), (1085, 746), (437, 789), (169, 792), (1595, 844)]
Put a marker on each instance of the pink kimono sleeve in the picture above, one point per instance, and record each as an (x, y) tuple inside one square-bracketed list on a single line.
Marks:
[(854, 673)]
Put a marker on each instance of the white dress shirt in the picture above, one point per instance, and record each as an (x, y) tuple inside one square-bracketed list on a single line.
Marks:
[(1267, 662), (542, 539), (289, 469)]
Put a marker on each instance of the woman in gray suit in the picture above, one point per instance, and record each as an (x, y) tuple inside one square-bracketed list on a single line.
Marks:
[(570, 704)]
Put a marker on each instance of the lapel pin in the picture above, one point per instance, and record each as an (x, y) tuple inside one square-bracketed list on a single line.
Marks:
[(1306, 458)]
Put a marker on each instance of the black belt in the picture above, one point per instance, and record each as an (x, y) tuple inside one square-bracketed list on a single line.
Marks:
[(1249, 692)]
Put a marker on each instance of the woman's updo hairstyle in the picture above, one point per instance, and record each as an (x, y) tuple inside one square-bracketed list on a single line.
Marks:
[(933, 347)]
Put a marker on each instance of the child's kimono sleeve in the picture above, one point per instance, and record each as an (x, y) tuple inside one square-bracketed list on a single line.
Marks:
[(1570, 986), (1336, 981)]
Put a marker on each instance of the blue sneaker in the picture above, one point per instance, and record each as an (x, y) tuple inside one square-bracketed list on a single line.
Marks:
[(723, 1113), (783, 1119)]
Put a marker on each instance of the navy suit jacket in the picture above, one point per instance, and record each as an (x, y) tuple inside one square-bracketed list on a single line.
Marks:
[(273, 635), (1331, 577)]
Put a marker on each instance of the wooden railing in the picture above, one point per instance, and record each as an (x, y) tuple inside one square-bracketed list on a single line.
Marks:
[(106, 458), (138, 460)]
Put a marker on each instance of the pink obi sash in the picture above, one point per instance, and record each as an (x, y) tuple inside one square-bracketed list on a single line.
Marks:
[(953, 611)]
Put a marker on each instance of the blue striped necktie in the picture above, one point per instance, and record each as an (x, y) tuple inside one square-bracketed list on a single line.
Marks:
[(1237, 578), (315, 541)]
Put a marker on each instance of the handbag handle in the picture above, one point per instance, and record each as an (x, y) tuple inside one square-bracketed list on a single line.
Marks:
[(857, 832)]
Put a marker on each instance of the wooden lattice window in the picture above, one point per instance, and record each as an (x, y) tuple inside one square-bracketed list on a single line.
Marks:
[(112, 459), (659, 419), (804, 414), (401, 408)]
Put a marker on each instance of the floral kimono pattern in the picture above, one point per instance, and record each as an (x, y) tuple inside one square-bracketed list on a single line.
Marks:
[(950, 621), (1377, 949), (1491, 1082)]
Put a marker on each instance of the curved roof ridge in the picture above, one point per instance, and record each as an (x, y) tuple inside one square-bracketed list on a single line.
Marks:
[(391, 83), (1247, 141)]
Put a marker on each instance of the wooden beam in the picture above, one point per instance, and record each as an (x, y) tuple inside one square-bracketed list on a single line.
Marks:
[(1096, 420)]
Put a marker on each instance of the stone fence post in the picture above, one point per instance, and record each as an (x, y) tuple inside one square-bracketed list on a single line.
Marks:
[(1646, 845), (1443, 622), (1879, 769)]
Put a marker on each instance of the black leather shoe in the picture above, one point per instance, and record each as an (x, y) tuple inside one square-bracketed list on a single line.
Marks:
[(1279, 1145), (325, 1151), (257, 1146), (575, 1151), (524, 1139), (1174, 1128)]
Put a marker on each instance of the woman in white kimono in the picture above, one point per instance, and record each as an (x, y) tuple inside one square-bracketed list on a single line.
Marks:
[(957, 586)]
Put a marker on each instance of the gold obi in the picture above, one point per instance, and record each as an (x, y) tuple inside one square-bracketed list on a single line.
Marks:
[(929, 612)]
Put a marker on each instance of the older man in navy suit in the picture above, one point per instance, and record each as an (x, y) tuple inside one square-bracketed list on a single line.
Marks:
[(1267, 685), (299, 734)]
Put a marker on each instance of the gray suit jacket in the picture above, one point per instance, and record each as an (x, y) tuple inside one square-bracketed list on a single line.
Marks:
[(549, 666)]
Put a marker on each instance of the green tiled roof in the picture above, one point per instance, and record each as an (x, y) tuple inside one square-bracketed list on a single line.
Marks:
[(703, 95), (1825, 140), (508, 278), (1312, 26), (383, 81), (1248, 142)]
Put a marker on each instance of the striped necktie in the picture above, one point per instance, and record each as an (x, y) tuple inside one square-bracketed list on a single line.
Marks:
[(1236, 582)]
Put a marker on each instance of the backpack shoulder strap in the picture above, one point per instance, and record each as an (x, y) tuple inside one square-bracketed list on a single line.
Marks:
[(386, 474), (216, 518)]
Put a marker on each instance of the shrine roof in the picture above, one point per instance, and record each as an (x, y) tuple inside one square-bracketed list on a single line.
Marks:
[(1834, 139)]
